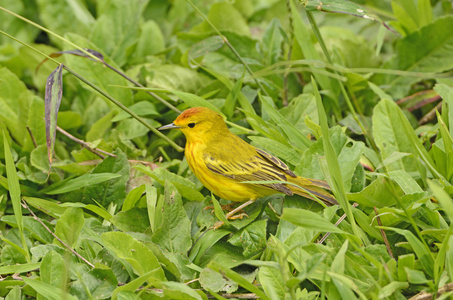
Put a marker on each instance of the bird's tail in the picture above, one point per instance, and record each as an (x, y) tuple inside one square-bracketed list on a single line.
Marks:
[(315, 187)]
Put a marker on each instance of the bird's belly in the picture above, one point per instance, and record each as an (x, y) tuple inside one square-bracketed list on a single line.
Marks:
[(222, 186)]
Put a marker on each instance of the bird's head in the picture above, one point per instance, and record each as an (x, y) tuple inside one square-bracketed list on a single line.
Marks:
[(199, 123)]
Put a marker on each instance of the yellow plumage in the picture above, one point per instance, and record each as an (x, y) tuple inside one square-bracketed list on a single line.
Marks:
[(222, 161)]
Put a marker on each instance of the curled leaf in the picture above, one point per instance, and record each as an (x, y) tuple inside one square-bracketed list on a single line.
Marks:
[(54, 90)]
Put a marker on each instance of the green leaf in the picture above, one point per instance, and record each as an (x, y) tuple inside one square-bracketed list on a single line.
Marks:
[(391, 288), (185, 186), (272, 42), (95, 284), (139, 217), (124, 246), (77, 18), (309, 219), (48, 291), (237, 278), (80, 182), (54, 270), (19, 268), (207, 240), (70, 225), (251, 238), (299, 140), (213, 281), (142, 108), (14, 192), (173, 234), (424, 255), (224, 17), (413, 54), (393, 133), (97, 73), (123, 19), (54, 92), (272, 282), (176, 290)]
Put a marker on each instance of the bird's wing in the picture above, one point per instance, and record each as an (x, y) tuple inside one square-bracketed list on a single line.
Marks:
[(254, 168)]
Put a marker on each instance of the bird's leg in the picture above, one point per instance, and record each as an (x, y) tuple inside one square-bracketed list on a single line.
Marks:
[(231, 215)]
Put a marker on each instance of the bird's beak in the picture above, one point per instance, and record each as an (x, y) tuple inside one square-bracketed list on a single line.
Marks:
[(169, 126)]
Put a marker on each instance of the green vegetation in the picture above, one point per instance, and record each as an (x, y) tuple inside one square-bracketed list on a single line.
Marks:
[(105, 207)]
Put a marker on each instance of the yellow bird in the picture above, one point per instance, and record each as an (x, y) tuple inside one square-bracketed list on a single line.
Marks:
[(222, 161)]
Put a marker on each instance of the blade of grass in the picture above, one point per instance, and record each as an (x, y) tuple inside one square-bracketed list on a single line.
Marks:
[(336, 181), (14, 192)]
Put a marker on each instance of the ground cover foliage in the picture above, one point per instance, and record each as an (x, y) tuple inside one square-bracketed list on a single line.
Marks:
[(357, 93)]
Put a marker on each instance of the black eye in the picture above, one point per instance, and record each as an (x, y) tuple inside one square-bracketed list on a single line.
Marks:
[(191, 125)]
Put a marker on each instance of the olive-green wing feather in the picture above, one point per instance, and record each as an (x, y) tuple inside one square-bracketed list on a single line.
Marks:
[(255, 168)]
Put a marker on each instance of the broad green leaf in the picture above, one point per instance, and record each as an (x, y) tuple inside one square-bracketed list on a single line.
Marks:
[(14, 107), (391, 288), (123, 19), (208, 239), (224, 17), (48, 291), (54, 270), (132, 198), (424, 255), (14, 294), (208, 45), (133, 285), (413, 54), (124, 246), (272, 282), (237, 278), (405, 261), (97, 73), (151, 41), (96, 284), (176, 290), (392, 132), (70, 225), (252, 238), (213, 281), (338, 264), (77, 18), (134, 219), (183, 82), (173, 234), (272, 42)]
